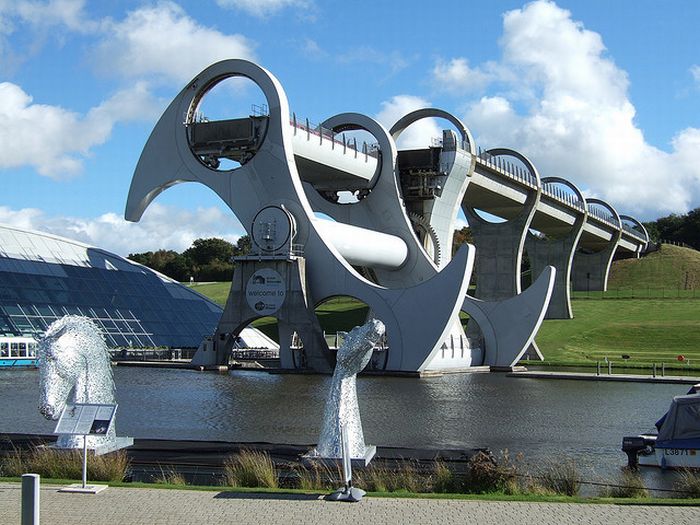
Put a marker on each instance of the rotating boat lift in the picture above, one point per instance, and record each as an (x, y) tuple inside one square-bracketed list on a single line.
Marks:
[(369, 250)]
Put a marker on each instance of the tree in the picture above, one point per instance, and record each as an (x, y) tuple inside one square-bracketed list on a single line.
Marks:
[(204, 251), (462, 236), (243, 245), (141, 258), (678, 228)]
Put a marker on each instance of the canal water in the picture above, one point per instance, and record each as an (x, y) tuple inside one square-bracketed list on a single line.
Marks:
[(545, 420)]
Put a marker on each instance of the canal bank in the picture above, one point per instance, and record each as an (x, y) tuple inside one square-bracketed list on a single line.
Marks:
[(616, 377)]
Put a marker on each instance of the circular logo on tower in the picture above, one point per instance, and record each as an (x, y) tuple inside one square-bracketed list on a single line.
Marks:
[(265, 291)]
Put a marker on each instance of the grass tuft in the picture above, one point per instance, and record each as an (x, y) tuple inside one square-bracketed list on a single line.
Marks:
[(557, 479), (689, 483), (629, 485), (170, 476), (319, 476), (444, 479), (65, 464), (250, 468)]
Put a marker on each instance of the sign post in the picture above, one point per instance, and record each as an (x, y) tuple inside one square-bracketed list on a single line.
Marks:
[(85, 419)]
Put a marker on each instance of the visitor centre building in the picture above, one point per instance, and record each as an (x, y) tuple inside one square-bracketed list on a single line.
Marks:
[(44, 277)]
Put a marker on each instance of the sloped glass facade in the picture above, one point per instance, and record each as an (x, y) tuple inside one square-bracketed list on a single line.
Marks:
[(44, 277)]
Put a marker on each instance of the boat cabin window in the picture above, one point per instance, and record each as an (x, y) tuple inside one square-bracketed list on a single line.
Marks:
[(4, 350), (14, 349), (32, 349)]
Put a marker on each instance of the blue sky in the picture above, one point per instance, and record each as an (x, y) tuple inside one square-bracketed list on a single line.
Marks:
[(606, 94)]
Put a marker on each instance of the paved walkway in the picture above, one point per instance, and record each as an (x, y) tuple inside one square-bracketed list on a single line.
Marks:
[(185, 507)]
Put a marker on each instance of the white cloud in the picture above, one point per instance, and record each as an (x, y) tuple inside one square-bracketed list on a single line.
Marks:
[(54, 140), (417, 135), (264, 8), (565, 104), (695, 72), (66, 13), (311, 49), (162, 41), (162, 227), (31, 24), (456, 75)]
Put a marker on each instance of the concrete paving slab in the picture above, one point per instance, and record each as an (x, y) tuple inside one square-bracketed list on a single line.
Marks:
[(183, 507)]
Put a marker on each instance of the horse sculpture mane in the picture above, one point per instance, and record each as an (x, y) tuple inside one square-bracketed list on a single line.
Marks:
[(73, 357)]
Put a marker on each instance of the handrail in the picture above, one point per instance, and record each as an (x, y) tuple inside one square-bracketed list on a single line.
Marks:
[(506, 168), (367, 149)]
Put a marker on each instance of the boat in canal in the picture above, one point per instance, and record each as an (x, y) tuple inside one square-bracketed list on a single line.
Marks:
[(677, 443), (18, 352)]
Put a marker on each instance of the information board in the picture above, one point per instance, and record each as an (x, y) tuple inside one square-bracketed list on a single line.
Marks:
[(86, 419)]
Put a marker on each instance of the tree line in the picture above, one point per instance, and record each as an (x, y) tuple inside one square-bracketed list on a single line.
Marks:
[(206, 260), (683, 229)]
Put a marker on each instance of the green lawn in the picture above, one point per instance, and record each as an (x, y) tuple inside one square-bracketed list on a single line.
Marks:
[(217, 292), (648, 330)]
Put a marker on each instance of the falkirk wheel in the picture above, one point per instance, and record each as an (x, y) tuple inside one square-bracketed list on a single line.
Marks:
[(394, 260)]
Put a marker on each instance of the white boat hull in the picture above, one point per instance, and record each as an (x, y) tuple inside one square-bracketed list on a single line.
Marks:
[(672, 458)]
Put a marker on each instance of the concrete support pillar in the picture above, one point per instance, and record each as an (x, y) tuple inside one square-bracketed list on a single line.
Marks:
[(499, 246), (559, 253), (295, 314), (590, 272)]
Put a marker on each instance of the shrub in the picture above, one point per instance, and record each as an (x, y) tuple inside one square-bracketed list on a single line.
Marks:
[(629, 484), (689, 483), (487, 474), (557, 478), (250, 469), (443, 478)]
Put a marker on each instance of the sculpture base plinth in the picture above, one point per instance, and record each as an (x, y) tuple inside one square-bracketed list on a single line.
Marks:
[(117, 444), (87, 489), (348, 494), (361, 461)]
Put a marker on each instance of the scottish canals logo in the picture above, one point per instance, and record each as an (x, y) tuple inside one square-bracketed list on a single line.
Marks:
[(265, 291)]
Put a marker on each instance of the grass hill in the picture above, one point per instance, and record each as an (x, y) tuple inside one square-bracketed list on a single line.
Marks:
[(655, 322), (672, 268)]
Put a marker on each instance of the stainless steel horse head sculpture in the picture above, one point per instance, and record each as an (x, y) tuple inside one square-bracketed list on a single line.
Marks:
[(73, 359)]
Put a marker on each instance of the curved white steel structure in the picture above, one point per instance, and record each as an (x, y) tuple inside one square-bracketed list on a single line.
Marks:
[(391, 249)]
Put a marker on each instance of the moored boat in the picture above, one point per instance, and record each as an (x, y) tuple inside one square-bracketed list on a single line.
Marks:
[(677, 444), (17, 352)]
